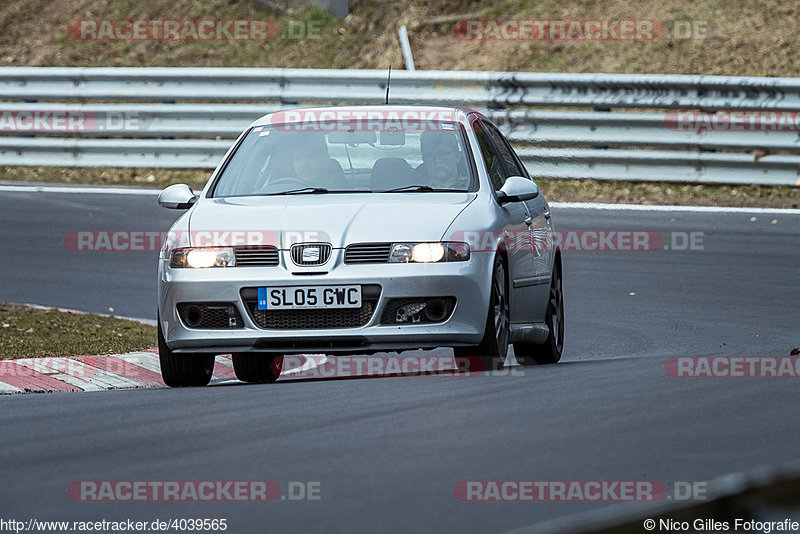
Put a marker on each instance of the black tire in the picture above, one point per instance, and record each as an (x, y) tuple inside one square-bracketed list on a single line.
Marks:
[(257, 367), (183, 370), (549, 351), (492, 351)]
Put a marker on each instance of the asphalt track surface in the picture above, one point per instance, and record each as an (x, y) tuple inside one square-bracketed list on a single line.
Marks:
[(389, 451)]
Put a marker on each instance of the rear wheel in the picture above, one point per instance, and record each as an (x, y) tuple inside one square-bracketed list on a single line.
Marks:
[(492, 351), (257, 367), (550, 351), (183, 370)]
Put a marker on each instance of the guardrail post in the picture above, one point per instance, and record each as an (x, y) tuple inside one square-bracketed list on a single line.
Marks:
[(405, 46), (340, 8)]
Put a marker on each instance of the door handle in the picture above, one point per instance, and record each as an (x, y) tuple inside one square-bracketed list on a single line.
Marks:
[(547, 214)]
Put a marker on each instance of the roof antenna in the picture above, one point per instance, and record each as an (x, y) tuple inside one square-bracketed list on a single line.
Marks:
[(387, 85)]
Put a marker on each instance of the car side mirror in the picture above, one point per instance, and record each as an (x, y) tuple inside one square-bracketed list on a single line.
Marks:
[(177, 197), (517, 189)]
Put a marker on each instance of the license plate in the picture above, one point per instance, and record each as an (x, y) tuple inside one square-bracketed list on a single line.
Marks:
[(308, 297)]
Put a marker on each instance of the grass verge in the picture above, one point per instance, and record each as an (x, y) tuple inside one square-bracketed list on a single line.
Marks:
[(671, 193), (27, 332)]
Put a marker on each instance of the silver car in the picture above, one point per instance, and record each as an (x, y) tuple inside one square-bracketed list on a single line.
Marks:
[(357, 230)]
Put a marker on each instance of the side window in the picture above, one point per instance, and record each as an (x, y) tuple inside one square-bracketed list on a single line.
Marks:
[(506, 152), (491, 158)]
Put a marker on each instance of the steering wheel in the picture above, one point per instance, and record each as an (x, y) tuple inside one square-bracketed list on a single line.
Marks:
[(274, 185)]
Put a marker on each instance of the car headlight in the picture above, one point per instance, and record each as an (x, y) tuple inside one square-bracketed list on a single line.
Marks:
[(200, 258), (429, 252)]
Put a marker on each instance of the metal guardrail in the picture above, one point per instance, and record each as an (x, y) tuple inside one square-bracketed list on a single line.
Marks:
[(147, 120), (543, 128), (664, 166), (157, 105), (546, 162), (158, 153), (627, 129), (481, 89)]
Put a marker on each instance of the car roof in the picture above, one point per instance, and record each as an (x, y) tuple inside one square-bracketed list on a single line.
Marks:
[(303, 114)]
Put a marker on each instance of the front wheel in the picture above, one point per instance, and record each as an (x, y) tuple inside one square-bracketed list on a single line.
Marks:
[(183, 370), (549, 351), (493, 349), (257, 368)]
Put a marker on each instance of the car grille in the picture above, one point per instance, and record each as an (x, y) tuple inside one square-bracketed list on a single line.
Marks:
[(313, 319), (368, 253), (256, 255), (210, 315), (323, 251)]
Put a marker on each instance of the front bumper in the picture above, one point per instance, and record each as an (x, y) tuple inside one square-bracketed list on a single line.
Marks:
[(467, 281)]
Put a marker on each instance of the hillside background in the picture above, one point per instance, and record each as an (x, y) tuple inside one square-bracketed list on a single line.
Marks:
[(745, 37)]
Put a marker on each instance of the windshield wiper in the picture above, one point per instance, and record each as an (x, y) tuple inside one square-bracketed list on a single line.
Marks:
[(318, 191), (302, 191), (422, 189)]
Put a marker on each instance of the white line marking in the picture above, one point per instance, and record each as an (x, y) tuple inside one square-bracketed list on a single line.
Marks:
[(78, 189), (698, 209)]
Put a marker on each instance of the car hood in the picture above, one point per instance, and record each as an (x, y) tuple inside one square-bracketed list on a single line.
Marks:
[(340, 218)]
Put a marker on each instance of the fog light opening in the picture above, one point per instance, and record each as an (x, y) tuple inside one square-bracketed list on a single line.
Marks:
[(193, 315), (436, 310)]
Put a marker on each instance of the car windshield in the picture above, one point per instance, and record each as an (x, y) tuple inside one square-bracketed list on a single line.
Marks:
[(310, 158)]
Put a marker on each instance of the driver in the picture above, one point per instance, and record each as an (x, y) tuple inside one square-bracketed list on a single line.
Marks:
[(313, 164), (441, 161)]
